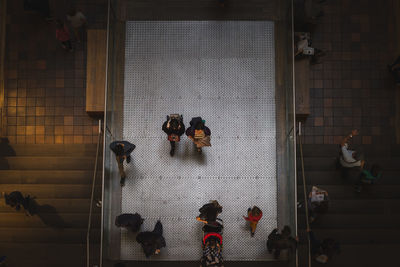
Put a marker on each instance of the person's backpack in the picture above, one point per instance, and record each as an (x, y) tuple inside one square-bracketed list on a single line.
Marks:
[(199, 134)]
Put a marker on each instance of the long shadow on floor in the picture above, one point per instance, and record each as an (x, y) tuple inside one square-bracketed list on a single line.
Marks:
[(48, 215)]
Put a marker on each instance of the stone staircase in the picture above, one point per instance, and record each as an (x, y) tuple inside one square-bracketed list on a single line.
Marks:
[(60, 178), (366, 224)]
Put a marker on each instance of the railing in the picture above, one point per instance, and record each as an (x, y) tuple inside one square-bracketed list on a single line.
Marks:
[(3, 16), (305, 193), (91, 198)]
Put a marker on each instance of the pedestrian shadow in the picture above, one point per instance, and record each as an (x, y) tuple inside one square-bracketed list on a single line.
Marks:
[(47, 214), (6, 150)]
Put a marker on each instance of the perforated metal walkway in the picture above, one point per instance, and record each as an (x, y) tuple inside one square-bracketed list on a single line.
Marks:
[(224, 72)]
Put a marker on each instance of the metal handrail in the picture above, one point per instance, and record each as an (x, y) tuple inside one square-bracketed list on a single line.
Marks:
[(91, 198), (305, 194)]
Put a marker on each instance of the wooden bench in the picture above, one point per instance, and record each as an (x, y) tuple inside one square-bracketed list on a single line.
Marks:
[(302, 83), (96, 72)]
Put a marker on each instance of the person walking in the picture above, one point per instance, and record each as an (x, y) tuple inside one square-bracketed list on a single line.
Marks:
[(153, 241), (348, 158), (368, 176), (77, 21), (253, 216), (122, 151), (15, 200), (199, 133), (322, 251), (174, 127), (318, 203), (209, 212), (130, 221), (62, 35), (279, 241)]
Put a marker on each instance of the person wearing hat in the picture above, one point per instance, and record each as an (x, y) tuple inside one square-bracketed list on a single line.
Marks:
[(199, 133)]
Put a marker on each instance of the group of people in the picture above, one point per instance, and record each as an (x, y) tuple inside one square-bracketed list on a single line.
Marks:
[(174, 128)]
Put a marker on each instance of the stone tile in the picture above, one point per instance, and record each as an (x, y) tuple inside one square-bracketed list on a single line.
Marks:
[(59, 139)]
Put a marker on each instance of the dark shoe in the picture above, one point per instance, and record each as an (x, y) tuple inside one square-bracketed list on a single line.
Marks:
[(128, 159), (172, 152), (252, 234), (122, 181)]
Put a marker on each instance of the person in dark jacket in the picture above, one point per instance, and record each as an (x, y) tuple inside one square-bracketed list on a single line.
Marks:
[(153, 241), (15, 199), (323, 251), (279, 241), (209, 212), (318, 203), (199, 133), (122, 151), (174, 127), (128, 220)]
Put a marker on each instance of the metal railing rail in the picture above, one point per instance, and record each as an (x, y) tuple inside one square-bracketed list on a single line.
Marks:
[(92, 197), (305, 194)]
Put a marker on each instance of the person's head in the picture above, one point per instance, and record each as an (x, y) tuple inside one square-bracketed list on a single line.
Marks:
[(255, 211), (200, 125), (119, 150), (174, 124), (375, 170), (59, 24), (72, 11)]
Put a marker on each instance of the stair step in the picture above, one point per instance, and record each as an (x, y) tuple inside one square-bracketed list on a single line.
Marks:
[(39, 150), (53, 191), (353, 221), (334, 177), (46, 177), (48, 235), (333, 150), (40, 220), (347, 192), (48, 254), (329, 163), (60, 205), (357, 236), (47, 163), (362, 206)]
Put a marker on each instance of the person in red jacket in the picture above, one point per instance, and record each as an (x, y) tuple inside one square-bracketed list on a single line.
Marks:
[(253, 216), (62, 34)]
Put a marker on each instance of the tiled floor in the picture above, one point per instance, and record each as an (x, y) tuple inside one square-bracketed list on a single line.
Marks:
[(45, 86), (352, 87)]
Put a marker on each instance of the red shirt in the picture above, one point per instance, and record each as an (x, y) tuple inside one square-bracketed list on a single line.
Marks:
[(253, 218), (62, 34)]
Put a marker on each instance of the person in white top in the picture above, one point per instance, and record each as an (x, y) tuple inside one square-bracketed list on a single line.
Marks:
[(348, 157), (77, 20)]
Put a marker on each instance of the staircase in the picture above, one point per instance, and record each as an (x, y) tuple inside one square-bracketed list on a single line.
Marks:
[(366, 224), (60, 179)]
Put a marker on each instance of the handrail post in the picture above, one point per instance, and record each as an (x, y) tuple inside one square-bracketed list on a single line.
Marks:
[(91, 198)]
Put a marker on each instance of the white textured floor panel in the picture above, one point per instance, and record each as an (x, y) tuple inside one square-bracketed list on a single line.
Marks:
[(224, 72)]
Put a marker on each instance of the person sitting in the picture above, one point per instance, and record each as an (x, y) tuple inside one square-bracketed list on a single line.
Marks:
[(212, 250), (15, 199), (199, 133), (122, 151), (348, 157), (253, 216), (174, 127), (209, 212), (153, 241), (368, 175), (279, 241), (128, 220), (323, 251), (318, 202)]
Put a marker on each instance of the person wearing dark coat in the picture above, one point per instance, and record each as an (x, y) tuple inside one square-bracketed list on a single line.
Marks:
[(174, 127), (323, 251), (128, 220), (152, 241), (122, 151), (15, 199), (209, 212), (199, 133), (279, 241)]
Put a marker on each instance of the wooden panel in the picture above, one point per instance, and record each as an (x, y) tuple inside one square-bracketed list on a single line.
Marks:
[(302, 81), (96, 71)]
